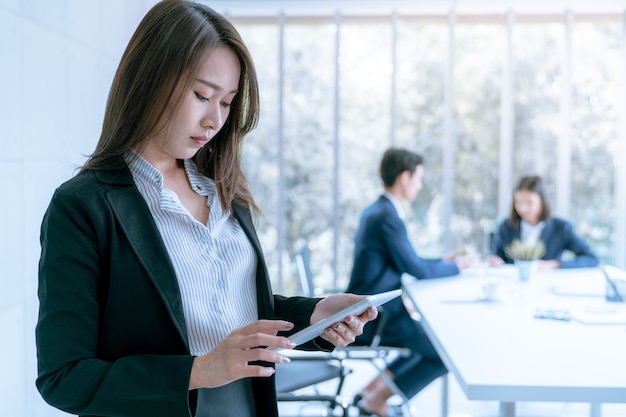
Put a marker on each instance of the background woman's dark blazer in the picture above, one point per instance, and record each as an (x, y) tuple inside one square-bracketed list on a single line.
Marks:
[(111, 336), (558, 235)]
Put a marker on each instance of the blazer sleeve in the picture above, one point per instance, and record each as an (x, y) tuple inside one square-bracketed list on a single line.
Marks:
[(405, 258), (298, 310), (584, 257), (502, 238), (73, 375)]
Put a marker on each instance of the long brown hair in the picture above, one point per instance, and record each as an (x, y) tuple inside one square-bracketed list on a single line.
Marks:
[(159, 63)]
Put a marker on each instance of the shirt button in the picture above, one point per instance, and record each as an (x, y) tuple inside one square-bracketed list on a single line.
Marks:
[(221, 284)]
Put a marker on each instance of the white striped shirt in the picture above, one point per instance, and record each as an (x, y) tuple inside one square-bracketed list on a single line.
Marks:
[(215, 263)]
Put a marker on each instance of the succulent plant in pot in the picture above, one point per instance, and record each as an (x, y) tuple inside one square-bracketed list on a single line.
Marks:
[(525, 256), (518, 250)]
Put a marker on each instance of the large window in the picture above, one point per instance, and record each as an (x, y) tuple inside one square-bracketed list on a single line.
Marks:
[(484, 100), (596, 76)]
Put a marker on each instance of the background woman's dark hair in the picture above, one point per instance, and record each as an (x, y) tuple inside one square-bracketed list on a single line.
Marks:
[(160, 62), (395, 161), (535, 184)]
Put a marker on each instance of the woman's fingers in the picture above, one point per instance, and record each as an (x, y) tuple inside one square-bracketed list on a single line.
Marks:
[(262, 333), (369, 315), (271, 327), (238, 355), (339, 334), (345, 332)]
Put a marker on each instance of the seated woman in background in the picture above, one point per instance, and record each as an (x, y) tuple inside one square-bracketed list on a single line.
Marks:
[(530, 222)]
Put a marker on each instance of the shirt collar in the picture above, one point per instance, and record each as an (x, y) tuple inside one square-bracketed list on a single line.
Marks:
[(396, 204), (200, 183), (141, 168), (529, 233)]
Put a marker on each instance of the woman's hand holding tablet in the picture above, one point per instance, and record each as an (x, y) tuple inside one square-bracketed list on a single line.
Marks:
[(355, 309)]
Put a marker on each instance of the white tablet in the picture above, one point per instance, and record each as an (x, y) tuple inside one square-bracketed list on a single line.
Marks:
[(355, 309)]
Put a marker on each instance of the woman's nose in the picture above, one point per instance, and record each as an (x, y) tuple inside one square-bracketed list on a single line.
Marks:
[(212, 118)]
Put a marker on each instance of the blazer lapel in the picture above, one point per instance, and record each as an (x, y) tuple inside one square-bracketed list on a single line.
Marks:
[(547, 230), (136, 221)]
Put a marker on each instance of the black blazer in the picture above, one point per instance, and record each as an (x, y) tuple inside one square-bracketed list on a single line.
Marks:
[(111, 335)]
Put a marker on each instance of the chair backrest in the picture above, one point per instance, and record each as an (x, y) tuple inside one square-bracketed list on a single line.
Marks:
[(303, 265), (380, 325)]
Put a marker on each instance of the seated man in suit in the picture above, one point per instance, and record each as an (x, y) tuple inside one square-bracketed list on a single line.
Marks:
[(382, 254)]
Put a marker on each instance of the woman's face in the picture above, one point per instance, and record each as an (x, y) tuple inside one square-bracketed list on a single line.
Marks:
[(204, 108), (528, 205)]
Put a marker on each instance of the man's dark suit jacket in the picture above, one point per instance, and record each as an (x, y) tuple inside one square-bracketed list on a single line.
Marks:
[(382, 253), (558, 235), (111, 336)]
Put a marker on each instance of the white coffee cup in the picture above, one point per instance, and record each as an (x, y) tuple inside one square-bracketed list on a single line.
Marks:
[(490, 290)]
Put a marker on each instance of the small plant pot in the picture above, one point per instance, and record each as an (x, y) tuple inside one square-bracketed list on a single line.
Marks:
[(526, 269)]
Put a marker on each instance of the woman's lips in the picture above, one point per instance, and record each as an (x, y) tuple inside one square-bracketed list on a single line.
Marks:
[(200, 140)]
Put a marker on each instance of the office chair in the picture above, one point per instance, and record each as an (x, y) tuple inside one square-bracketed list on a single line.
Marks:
[(302, 379), (302, 261), (373, 354), (299, 381)]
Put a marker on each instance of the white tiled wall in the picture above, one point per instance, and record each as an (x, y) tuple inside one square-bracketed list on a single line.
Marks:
[(57, 59)]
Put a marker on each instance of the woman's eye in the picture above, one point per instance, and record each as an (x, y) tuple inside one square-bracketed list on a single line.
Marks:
[(226, 105), (201, 98)]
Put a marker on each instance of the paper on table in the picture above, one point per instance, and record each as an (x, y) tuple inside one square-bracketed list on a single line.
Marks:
[(600, 316)]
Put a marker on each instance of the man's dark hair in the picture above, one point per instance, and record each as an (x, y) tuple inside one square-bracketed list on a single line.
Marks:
[(395, 161)]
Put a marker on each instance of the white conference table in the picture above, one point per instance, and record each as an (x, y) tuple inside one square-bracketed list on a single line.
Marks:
[(498, 351)]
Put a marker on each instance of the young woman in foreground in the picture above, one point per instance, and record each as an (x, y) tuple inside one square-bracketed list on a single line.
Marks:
[(155, 298)]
